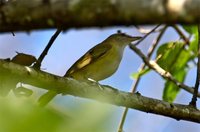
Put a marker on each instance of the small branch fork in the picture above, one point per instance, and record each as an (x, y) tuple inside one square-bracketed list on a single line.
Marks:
[(146, 35), (187, 41), (142, 67), (153, 65), (158, 69)]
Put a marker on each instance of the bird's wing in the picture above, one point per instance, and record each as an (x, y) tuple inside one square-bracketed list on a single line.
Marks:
[(91, 56)]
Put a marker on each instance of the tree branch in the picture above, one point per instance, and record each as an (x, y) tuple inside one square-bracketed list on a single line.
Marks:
[(165, 74), (26, 15), (181, 34), (141, 68), (107, 94)]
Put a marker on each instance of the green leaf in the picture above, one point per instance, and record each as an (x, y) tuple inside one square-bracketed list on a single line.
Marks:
[(140, 73), (18, 115), (173, 58), (172, 55), (171, 90), (22, 115), (193, 30)]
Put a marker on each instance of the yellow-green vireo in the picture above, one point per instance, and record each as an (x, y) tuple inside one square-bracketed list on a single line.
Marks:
[(98, 63)]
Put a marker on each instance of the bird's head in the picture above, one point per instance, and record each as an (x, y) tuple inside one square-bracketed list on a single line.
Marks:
[(122, 39)]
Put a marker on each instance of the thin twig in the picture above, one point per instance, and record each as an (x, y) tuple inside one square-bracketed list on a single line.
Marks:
[(146, 35), (13, 34), (153, 65), (187, 41), (146, 31), (142, 67), (196, 87), (37, 65)]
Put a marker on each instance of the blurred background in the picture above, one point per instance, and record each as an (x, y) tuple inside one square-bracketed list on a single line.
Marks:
[(78, 114)]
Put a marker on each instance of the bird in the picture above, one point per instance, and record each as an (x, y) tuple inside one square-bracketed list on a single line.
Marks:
[(97, 64)]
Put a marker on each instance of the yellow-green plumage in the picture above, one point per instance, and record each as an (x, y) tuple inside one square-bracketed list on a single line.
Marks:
[(98, 63), (101, 61)]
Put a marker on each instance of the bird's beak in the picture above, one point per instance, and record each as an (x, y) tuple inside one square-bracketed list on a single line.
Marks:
[(135, 38)]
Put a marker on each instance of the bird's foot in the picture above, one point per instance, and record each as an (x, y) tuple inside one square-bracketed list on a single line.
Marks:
[(95, 82)]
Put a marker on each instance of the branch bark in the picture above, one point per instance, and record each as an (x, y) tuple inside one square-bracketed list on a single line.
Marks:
[(18, 73), (165, 74), (26, 15)]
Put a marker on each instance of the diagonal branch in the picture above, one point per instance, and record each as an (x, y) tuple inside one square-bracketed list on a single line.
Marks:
[(181, 34), (153, 65), (37, 65), (142, 67), (93, 91), (146, 35)]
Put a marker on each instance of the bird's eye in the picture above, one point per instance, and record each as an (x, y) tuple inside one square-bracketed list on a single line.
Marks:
[(119, 31)]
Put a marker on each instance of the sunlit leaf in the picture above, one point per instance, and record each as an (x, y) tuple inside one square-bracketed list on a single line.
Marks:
[(140, 73), (23, 115), (171, 90), (192, 30), (18, 115), (173, 57)]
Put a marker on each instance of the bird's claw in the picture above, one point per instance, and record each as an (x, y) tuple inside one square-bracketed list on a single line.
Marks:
[(95, 82)]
